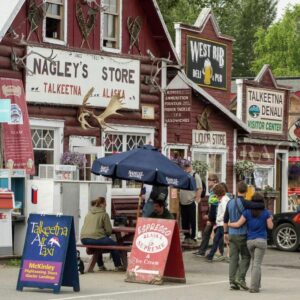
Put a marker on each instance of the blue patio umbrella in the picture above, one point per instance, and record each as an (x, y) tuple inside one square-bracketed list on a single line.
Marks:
[(144, 164)]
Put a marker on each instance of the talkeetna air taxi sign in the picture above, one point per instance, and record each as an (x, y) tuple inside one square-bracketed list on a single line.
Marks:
[(49, 255), (265, 110), (206, 62)]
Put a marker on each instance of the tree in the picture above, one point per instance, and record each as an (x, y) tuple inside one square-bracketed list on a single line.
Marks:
[(237, 18), (187, 11), (279, 46)]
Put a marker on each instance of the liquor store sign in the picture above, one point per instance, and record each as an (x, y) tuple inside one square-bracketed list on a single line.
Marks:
[(265, 110), (209, 139), (206, 62), (64, 77)]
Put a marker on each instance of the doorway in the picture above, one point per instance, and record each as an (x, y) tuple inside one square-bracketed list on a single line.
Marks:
[(281, 180)]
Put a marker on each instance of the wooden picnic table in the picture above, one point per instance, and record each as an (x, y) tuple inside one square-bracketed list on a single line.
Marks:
[(124, 237)]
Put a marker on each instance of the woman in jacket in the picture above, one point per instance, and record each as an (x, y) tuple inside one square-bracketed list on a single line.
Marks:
[(96, 230), (258, 220)]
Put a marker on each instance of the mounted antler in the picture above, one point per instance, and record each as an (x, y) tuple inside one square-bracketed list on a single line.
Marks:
[(111, 109), (115, 104), (19, 62), (84, 112), (157, 67)]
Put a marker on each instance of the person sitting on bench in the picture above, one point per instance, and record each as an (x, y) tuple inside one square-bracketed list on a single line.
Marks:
[(96, 230), (160, 211)]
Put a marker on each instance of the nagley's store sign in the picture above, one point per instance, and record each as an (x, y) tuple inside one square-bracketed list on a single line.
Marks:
[(70, 76), (265, 110), (209, 139), (206, 62)]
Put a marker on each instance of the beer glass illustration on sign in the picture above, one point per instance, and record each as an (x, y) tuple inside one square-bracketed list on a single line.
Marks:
[(207, 72)]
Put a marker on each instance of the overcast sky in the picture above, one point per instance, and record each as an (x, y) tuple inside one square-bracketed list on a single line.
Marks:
[(282, 4)]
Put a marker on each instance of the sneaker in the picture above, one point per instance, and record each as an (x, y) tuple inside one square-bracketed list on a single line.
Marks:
[(234, 286), (253, 291), (102, 268), (219, 258), (120, 269), (208, 259), (242, 284), (199, 254)]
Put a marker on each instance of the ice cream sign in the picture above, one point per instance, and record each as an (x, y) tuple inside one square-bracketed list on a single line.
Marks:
[(265, 110), (206, 62)]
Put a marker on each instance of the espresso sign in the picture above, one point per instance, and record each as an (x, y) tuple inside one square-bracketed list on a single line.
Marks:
[(206, 62), (178, 106), (265, 110), (69, 76), (211, 139)]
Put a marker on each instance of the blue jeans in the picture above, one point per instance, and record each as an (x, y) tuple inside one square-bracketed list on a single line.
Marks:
[(218, 241), (257, 249), (106, 241)]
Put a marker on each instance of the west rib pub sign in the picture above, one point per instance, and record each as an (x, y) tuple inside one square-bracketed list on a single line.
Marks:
[(206, 62)]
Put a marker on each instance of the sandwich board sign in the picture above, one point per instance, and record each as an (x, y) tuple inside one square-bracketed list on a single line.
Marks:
[(49, 255), (156, 254)]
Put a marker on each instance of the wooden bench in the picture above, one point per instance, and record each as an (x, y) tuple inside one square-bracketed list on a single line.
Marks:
[(127, 208), (96, 250)]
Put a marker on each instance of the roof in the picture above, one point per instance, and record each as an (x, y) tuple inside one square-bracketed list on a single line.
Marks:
[(215, 102), (8, 12), (159, 29)]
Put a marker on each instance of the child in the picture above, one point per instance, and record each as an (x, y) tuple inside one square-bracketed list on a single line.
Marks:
[(223, 199)]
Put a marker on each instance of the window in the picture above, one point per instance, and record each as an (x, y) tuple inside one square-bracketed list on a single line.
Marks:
[(216, 162), (111, 24), (54, 22), (115, 143), (263, 176), (118, 141), (43, 147), (47, 141)]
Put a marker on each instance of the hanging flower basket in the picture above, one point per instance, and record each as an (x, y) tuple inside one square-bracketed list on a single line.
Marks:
[(243, 167), (200, 167)]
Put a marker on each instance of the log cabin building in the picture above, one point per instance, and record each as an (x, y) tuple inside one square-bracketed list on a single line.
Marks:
[(72, 56), (65, 50)]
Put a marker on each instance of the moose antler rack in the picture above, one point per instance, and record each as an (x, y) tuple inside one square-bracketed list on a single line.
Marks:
[(18, 63), (84, 113)]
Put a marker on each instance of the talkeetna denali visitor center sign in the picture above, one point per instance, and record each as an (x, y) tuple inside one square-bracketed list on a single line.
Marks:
[(264, 110), (206, 62)]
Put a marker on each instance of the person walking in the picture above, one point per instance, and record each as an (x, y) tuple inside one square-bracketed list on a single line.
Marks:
[(237, 238), (220, 192), (211, 216), (188, 206), (257, 220), (96, 230)]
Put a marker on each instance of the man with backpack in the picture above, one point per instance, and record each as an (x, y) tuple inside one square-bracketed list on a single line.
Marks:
[(188, 206)]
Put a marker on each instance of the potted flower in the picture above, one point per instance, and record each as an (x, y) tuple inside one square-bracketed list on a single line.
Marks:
[(244, 167), (73, 158), (270, 192), (200, 167)]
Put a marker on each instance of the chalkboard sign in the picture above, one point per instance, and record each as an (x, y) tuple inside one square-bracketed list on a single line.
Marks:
[(49, 255)]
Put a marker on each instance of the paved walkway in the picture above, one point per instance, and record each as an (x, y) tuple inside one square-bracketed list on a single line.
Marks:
[(281, 273)]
